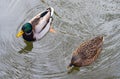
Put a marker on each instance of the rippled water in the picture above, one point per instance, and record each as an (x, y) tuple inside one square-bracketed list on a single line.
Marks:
[(74, 21)]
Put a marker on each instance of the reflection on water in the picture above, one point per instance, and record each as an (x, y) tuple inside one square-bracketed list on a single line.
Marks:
[(75, 21), (73, 69), (27, 48)]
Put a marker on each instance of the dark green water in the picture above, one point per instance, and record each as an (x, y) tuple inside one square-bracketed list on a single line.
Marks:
[(75, 21)]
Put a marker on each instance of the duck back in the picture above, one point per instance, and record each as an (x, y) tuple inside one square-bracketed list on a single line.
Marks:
[(88, 51)]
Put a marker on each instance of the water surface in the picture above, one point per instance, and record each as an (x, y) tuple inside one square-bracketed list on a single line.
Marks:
[(75, 21)]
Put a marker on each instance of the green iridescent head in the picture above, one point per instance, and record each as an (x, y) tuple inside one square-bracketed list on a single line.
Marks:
[(27, 28)]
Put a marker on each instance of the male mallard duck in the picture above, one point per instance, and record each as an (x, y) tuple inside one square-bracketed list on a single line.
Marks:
[(87, 52), (38, 26)]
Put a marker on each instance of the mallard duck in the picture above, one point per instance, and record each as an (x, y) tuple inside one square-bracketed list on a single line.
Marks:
[(86, 53), (38, 26)]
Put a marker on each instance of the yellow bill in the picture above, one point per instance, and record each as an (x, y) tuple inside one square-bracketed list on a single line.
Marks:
[(20, 33)]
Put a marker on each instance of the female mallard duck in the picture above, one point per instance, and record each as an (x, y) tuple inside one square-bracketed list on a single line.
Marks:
[(87, 52), (38, 26)]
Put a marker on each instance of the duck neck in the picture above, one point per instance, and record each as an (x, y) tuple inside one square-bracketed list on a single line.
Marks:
[(29, 36), (28, 33)]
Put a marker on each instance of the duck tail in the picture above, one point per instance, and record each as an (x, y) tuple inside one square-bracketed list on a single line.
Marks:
[(52, 10)]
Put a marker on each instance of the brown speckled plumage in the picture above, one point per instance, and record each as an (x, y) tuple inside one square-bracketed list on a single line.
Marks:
[(87, 52)]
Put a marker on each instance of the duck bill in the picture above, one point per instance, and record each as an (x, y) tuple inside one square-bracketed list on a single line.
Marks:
[(20, 33), (69, 67)]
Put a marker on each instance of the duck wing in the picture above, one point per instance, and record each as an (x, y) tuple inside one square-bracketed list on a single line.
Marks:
[(41, 23), (44, 31), (40, 20)]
